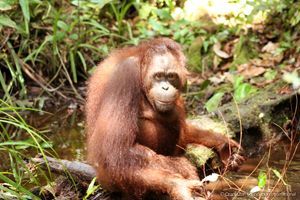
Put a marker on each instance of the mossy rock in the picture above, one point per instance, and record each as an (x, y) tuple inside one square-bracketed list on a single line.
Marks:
[(199, 154)]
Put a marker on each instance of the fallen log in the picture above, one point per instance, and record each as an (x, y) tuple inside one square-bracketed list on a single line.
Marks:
[(80, 170)]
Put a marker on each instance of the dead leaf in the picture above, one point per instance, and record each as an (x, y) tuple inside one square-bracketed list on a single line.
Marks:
[(297, 64), (229, 46), (264, 83), (278, 58), (194, 78), (259, 27), (219, 78), (288, 68), (270, 47), (216, 62), (249, 70), (226, 66), (229, 76), (266, 61), (219, 52), (285, 90)]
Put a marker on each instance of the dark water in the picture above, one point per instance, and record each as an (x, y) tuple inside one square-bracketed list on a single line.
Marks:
[(66, 132), (277, 157), (69, 142)]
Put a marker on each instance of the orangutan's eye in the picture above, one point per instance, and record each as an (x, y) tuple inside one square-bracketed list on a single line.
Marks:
[(159, 76), (172, 76)]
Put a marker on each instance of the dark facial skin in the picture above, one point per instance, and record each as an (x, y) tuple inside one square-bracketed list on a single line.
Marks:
[(165, 82)]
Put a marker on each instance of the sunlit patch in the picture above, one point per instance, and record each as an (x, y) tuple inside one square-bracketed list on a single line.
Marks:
[(219, 11)]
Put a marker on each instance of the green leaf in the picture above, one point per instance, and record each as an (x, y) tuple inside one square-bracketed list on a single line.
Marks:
[(73, 67), (60, 35), (163, 14), (74, 36), (145, 10), (91, 189), (4, 6), (262, 179), (5, 88), (33, 56), (19, 144), (6, 21), (204, 85), (238, 80), (46, 145), (158, 26), (82, 60), (25, 9), (99, 3), (270, 74), (213, 103), (18, 186), (98, 26), (243, 91), (62, 25), (277, 173)]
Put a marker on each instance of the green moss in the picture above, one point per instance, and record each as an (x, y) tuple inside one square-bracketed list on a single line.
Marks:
[(199, 154)]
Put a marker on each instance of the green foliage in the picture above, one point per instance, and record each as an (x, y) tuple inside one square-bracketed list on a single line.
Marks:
[(91, 189), (283, 20), (213, 103), (15, 139), (270, 74), (279, 176), (7, 4), (262, 179), (156, 20), (15, 73), (62, 42), (59, 42), (119, 11), (60, 39), (242, 90), (286, 11), (6, 21), (243, 51)]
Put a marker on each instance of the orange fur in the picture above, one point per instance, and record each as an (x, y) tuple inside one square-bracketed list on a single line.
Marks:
[(131, 145)]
